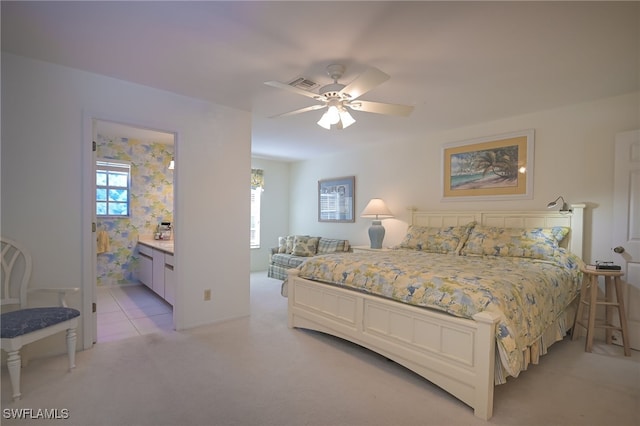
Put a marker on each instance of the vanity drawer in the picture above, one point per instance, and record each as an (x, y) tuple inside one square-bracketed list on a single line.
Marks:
[(145, 250), (168, 259)]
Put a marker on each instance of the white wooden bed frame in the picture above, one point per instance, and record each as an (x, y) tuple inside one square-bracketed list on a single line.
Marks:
[(454, 353)]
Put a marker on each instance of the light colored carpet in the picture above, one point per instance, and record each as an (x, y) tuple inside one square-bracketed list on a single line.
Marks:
[(256, 371)]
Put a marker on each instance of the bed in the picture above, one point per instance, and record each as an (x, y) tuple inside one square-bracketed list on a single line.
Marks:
[(463, 342)]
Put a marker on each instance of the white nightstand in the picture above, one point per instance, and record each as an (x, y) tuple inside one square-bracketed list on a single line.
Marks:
[(362, 249)]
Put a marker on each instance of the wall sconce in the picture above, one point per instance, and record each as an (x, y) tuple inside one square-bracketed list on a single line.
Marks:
[(564, 207), (378, 210), (172, 164)]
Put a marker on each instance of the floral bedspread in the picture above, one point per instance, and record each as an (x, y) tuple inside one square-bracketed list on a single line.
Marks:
[(527, 294)]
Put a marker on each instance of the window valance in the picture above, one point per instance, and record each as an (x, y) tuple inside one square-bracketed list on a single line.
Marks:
[(257, 178)]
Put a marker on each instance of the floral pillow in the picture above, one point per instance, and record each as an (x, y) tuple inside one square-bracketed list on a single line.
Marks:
[(436, 240), (282, 245), (535, 243), (305, 246), (288, 248)]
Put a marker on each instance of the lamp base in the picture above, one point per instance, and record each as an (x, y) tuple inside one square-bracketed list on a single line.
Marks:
[(376, 234)]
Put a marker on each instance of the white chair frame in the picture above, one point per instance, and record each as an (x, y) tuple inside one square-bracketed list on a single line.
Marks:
[(16, 272)]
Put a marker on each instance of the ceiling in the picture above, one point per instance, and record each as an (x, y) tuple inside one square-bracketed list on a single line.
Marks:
[(110, 128), (458, 63)]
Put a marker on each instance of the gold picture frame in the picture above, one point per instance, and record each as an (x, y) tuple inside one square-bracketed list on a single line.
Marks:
[(489, 168)]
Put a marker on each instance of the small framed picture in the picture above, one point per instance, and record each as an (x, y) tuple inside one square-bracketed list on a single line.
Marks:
[(336, 199)]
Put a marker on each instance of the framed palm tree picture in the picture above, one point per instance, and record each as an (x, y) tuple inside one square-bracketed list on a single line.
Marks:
[(489, 168)]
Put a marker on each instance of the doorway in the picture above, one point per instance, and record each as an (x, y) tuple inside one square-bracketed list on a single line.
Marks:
[(626, 227), (124, 307)]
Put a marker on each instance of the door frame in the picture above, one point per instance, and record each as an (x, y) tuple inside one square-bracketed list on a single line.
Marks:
[(88, 233), (619, 235)]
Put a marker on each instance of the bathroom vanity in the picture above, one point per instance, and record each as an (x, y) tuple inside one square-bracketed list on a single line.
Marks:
[(156, 267)]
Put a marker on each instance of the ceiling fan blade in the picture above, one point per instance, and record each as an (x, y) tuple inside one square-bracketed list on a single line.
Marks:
[(279, 85), (369, 79), (301, 110), (381, 108)]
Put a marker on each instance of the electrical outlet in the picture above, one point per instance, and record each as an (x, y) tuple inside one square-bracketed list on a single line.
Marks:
[(207, 294)]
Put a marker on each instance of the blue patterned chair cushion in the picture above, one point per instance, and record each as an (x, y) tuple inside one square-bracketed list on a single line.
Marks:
[(23, 321)]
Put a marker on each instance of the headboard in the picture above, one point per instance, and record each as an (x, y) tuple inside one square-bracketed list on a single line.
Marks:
[(512, 219)]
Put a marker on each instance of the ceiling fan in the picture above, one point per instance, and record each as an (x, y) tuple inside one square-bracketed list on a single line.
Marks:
[(338, 98)]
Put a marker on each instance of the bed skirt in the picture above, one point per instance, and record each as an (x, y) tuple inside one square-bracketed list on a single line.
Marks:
[(554, 333)]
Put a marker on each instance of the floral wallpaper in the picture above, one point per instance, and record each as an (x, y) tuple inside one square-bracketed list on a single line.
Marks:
[(151, 203)]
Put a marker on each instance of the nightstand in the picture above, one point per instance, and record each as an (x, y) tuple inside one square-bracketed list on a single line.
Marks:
[(363, 249), (589, 298)]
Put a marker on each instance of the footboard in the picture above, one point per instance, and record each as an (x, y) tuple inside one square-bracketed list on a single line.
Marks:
[(456, 354)]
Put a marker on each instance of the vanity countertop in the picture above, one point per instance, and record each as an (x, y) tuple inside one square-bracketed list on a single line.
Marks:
[(164, 245)]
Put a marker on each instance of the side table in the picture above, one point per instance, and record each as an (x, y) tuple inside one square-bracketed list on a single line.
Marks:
[(589, 298)]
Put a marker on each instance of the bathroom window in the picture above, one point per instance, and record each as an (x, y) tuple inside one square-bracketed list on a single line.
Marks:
[(113, 188)]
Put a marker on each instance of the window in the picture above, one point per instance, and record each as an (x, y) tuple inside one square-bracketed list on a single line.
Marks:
[(257, 186), (255, 217), (113, 184)]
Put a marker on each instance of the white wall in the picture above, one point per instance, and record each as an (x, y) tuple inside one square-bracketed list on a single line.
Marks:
[(44, 110), (44, 105), (274, 220), (573, 157)]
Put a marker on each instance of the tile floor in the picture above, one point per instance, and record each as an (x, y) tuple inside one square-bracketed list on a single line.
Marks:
[(131, 310)]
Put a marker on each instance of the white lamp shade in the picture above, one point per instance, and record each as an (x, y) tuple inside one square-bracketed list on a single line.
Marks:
[(333, 115), (324, 121), (376, 208), (336, 118), (346, 118)]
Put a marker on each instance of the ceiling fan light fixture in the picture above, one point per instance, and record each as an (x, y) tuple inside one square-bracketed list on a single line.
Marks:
[(336, 97), (333, 114), (324, 121), (346, 118), (336, 117)]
